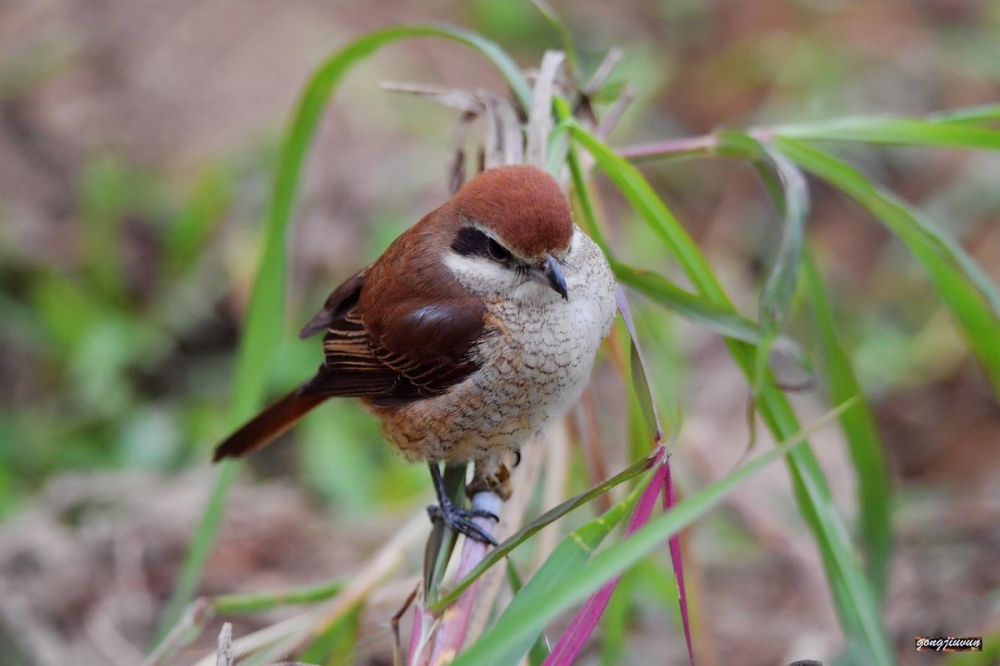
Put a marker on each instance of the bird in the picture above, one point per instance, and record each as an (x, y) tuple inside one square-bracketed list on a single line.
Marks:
[(476, 329)]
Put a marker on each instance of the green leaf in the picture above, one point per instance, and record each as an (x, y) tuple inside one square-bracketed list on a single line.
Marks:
[(972, 114), (263, 328), (568, 558), (547, 518), (896, 131), (863, 442), (855, 603), (261, 601), (518, 627), (960, 282), (637, 365), (790, 193)]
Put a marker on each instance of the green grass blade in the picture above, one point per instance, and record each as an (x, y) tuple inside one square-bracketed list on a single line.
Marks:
[(565, 38), (791, 195), (960, 282), (264, 324), (539, 650), (895, 131), (718, 319), (853, 598), (645, 201), (639, 378), (987, 113), (864, 444), (514, 629), (569, 557), (547, 518), (262, 601)]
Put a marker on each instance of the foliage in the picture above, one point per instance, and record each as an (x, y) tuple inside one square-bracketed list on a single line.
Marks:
[(104, 326)]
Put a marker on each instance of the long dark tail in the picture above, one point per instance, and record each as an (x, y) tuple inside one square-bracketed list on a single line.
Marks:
[(268, 425)]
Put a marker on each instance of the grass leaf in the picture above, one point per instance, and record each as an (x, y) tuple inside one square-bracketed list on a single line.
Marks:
[(581, 582), (896, 131), (791, 195), (569, 557), (960, 282), (863, 442), (855, 603), (547, 518)]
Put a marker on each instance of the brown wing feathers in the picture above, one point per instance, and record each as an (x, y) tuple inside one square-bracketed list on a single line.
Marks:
[(393, 336)]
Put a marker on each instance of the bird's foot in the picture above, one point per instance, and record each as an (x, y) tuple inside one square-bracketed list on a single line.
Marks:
[(460, 520)]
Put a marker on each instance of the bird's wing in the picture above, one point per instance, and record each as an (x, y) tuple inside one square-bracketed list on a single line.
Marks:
[(414, 348)]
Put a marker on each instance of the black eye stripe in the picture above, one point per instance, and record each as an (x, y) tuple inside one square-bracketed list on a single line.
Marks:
[(497, 251), (472, 242)]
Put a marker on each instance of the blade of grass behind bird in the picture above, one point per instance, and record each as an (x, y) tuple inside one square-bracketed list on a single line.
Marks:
[(262, 331), (514, 629), (854, 600), (972, 114), (895, 131), (960, 282), (791, 195), (695, 307), (570, 556), (550, 516), (863, 441)]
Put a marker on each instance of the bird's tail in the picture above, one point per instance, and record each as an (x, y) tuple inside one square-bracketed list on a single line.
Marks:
[(268, 425)]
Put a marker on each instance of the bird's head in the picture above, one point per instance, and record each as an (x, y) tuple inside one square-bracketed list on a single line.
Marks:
[(513, 235)]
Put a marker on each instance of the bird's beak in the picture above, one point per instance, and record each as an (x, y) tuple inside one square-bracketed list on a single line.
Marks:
[(550, 275)]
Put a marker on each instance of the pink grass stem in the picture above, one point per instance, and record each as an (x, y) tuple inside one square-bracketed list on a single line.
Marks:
[(442, 642), (586, 619)]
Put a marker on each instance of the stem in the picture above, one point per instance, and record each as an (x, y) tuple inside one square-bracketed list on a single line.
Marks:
[(686, 147)]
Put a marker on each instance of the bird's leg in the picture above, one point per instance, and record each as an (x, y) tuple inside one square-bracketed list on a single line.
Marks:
[(456, 518)]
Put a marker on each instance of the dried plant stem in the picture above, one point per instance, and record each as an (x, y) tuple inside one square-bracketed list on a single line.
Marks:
[(556, 472), (383, 564), (699, 145), (525, 477), (224, 656), (540, 117)]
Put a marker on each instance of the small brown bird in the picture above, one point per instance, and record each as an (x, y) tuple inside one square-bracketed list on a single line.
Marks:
[(474, 330)]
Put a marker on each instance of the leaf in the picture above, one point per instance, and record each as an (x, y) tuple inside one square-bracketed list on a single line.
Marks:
[(854, 601), (569, 556), (568, 646), (547, 518), (791, 195), (719, 319), (971, 114), (960, 282), (640, 380), (579, 583), (895, 131), (863, 442), (669, 502)]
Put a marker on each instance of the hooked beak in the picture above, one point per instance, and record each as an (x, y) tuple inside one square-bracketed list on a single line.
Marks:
[(550, 275)]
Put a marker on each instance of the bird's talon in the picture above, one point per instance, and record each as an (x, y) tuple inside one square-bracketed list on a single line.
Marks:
[(460, 520)]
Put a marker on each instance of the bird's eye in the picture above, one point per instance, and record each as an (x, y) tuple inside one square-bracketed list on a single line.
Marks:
[(497, 251), (473, 242)]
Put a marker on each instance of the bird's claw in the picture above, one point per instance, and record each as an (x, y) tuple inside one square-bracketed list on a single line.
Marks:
[(460, 520)]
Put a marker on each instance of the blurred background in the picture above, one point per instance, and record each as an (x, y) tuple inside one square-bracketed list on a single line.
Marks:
[(137, 146)]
